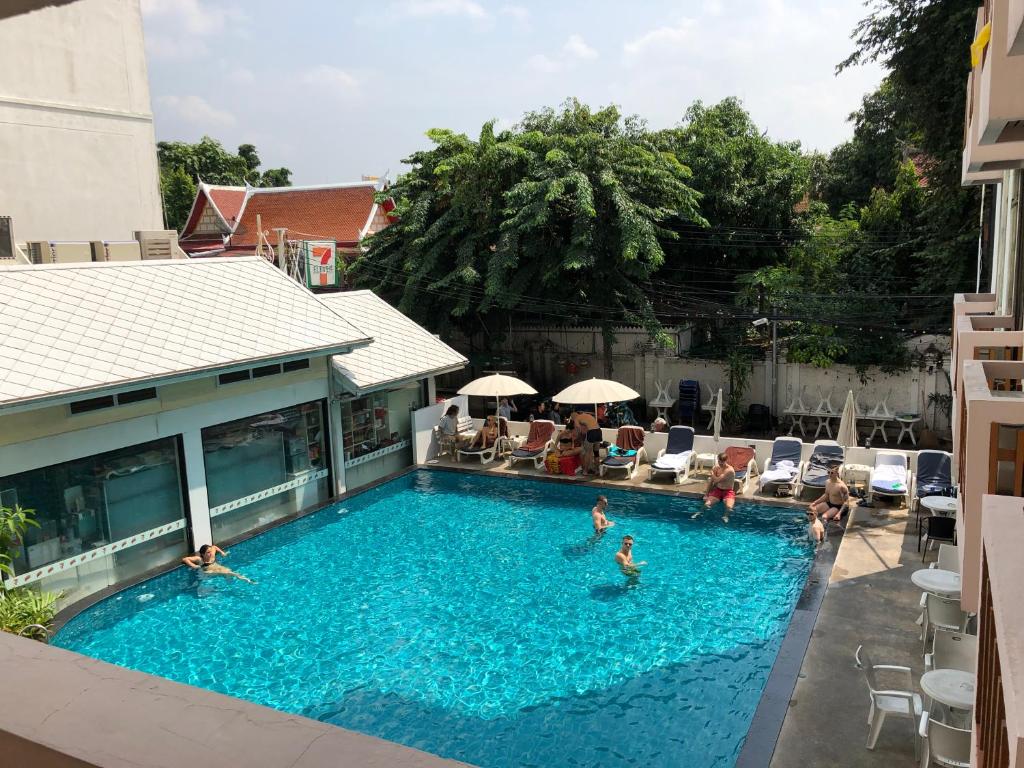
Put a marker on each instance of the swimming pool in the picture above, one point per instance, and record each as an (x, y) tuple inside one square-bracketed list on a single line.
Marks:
[(477, 618)]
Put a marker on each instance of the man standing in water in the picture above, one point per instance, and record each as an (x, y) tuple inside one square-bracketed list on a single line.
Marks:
[(624, 558), (597, 514), (206, 561)]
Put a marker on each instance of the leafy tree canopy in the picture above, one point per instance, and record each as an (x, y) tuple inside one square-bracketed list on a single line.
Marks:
[(566, 212), (184, 165)]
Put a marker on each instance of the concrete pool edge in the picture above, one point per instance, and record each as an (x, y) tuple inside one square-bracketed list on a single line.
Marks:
[(763, 732)]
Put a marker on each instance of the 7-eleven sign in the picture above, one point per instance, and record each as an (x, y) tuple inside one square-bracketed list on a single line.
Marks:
[(321, 267)]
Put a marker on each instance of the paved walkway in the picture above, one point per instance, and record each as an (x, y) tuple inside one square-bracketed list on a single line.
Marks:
[(871, 601)]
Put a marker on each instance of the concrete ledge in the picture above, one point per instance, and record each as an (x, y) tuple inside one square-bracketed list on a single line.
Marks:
[(65, 710)]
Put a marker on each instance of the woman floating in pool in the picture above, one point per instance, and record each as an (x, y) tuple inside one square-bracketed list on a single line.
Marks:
[(206, 561), (624, 557)]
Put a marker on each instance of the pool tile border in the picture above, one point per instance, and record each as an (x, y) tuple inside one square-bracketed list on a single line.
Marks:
[(766, 725)]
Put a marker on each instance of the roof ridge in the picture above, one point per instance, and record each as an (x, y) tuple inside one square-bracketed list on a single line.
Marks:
[(312, 187), (126, 264)]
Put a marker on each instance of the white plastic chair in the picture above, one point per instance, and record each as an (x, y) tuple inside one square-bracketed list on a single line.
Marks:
[(941, 613), (797, 405), (952, 650), (711, 403), (886, 701), (943, 744), (949, 558), (825, 400)]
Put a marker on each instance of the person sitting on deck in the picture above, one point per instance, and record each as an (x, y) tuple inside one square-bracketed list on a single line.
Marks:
[(449, 428), (487, 435), (832, 502), (206, 561)]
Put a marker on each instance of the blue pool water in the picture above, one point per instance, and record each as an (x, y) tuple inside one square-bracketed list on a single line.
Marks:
[(476, 618)]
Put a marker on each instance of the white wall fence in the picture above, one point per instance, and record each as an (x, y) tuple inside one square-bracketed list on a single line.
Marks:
[(552, 358)]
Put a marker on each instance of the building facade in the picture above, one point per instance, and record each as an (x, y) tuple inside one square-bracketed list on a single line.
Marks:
[(76, 124), (987, 377)]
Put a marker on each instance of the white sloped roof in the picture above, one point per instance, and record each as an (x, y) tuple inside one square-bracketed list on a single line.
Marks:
[(401, 350), (73, 328)]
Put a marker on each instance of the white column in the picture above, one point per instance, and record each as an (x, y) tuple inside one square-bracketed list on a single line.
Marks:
[(432, 390), (338, 447), (198, 502)]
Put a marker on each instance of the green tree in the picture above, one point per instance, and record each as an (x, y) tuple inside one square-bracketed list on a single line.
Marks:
[(208, 161), (567, 212)]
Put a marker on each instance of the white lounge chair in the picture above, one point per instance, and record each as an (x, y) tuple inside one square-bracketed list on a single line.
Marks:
[(825, 454), (678, 458), (891, 476), (538, 443), (887, 701), (627, 457), (784, 465), (942, 744)]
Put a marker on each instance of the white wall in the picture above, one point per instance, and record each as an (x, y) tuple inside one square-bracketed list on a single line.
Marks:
[(77, 148), (424, 446)]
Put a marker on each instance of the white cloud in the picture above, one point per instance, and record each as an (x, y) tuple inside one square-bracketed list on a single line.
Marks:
[(577, 47), (661, 37), (198, 111), (326, 76), (423, 8), (543, 63), (240, 76), (517, 12), (179, 28)]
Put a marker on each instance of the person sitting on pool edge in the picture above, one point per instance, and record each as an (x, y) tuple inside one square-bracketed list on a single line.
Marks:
[(601, 522), (831, 503), (624, 558), (720, 488), (206, 561)]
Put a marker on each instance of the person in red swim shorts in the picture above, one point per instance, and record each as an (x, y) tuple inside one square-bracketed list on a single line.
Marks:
[(720, 488)]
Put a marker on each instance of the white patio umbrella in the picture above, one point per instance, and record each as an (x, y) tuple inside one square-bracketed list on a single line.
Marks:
[(847, 434), (718, 416), (497, 385), (594, 391)]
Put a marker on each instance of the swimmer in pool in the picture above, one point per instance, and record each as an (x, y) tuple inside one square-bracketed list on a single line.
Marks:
[(206, 561), (624, 557), (601, 523)]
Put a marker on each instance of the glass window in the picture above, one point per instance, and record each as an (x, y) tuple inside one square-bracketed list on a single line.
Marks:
[(378, 421), (88, 504), (264, 467)]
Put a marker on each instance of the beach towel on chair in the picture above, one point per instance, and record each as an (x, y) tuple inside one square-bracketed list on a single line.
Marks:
[(738, 457), (540, 433), (673, 461), (783, 472), (630, 439), (889, 477)]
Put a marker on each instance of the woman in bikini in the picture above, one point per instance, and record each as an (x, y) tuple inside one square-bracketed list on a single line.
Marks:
[(206, 561)]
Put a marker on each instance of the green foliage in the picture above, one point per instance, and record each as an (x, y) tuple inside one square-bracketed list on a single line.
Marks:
[(740, 369), (14, 522), (184, 165), (28, 613), (570, 208)]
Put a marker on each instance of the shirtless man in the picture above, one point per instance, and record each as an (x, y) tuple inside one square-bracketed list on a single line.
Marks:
[(720, 488), (206, 561), (815, 530), (624, 557), (601, 522), (830, 504), (586, 425)]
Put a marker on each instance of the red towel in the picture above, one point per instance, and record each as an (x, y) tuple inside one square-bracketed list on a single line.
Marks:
[(630, 438), (739, 456), (540, 433)]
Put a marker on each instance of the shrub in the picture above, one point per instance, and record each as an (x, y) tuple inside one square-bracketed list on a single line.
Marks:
[(28, 613)]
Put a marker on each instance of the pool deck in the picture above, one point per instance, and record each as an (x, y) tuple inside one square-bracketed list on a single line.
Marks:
[(869, 600)]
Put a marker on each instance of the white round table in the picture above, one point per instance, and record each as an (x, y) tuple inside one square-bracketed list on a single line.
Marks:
[(951, 687), (938, 581), (941, 505)]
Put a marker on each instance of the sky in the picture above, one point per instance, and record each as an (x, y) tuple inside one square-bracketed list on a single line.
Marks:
[(334, 89)]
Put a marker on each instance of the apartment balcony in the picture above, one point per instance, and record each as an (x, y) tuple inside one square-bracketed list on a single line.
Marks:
[(999, 699), (989, 455), (1015, 33), (994, 115)]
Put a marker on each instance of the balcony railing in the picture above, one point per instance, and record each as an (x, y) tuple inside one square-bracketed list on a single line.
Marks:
[(989, 451), (999, 698)]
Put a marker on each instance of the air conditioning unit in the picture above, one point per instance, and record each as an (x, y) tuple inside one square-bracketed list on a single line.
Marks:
[(39, 252), (6, 239)]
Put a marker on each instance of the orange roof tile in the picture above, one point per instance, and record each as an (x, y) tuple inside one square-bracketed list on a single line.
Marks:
[(228, 201), (332, 213)]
